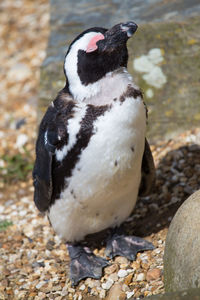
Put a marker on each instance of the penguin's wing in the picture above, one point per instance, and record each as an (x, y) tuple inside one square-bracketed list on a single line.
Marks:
[(148, 172), (52, 135)]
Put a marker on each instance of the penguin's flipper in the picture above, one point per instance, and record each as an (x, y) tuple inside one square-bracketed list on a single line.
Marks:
[(148, 172), (127, 246), (84, 264), (52, 135), (42, 180)]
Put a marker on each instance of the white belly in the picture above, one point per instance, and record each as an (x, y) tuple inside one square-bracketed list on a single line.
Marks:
[(104, 185)]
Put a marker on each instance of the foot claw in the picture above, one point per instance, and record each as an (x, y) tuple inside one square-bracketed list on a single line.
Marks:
[(84, 264), (127, 246)]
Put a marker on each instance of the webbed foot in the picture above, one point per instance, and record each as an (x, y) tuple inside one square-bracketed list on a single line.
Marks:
[(84, 264), (127, 246)]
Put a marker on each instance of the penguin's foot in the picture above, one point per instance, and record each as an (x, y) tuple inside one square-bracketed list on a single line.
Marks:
[(84, 264), (127, 246)]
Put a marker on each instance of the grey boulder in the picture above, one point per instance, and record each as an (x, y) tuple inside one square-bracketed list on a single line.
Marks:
[(182, 250)]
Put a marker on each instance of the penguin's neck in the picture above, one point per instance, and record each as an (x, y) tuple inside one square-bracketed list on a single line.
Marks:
[(103, 91)]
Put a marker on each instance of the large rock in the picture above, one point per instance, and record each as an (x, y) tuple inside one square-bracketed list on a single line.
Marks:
[(171, 89), (182, 250)]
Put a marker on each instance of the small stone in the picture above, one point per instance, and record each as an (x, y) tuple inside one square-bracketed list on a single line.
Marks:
[(122, 273), (111, 269), (94, 291), (82, 287), (32, 294), (107, 285), (153, 274), (40, 284), (129, 294), (113, 276), (102, 294), (125, 288), (140, 277), (121, 260), (135, 265), (128, 279), (22, 139), (116, 293), (19, 72)]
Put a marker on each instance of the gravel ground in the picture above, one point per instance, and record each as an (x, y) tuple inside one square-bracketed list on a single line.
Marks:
[(34, 263)]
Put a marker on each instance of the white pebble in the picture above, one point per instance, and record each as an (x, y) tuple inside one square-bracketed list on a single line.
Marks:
[(2, 134), (22, 139), (129, 294), (122, 273), (107, 285), (2, 163), (102, 294), (140, 277), (40, 284), (1, 208), (22, 213), (82, 287)]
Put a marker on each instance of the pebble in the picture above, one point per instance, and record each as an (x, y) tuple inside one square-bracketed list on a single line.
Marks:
[(40, 284), (19, 72), (140, 277), (111, 269), (102, 294), (82, 287), (121, 260), (153, 274), (22, 139), (128, 279), (130, 294), (116, 293), (113, 276), (122, 273), (107, 285)]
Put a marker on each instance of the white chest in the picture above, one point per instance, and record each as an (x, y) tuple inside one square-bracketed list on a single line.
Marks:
[(103, 188)]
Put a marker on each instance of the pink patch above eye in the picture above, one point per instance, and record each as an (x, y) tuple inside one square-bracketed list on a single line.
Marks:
[(92, 46)]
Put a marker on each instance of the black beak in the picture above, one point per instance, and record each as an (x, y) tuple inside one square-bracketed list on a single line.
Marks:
[(117, 36), (129, 27)]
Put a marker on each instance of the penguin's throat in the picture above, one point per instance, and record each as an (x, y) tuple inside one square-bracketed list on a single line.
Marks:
[(105, 90)]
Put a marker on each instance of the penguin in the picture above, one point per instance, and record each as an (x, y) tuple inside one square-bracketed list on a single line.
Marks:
[(92, 155)]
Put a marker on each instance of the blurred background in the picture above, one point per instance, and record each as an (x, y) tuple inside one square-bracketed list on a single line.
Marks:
[(164, 61), (163, 54)]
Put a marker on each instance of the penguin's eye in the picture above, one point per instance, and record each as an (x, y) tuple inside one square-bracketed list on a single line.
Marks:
[(92, 46)]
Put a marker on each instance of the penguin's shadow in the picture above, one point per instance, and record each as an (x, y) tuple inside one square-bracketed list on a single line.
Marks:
[(177, 177)]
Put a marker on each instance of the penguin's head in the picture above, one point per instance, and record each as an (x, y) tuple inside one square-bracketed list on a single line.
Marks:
[(94, 53)]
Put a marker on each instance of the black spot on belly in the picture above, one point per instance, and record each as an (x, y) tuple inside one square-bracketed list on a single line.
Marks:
[(97, 214), (116, 163), (132, 148), (72, 192)]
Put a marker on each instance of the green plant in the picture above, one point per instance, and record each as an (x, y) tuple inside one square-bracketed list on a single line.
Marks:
[(5, 224), (17, 166)]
